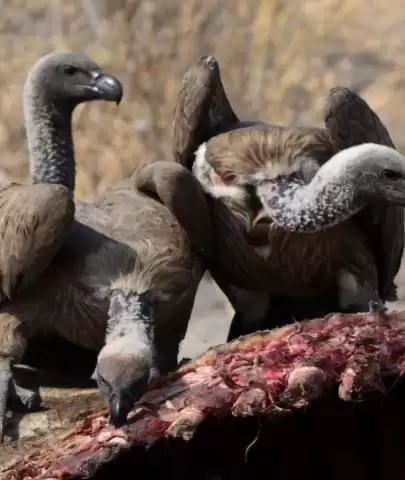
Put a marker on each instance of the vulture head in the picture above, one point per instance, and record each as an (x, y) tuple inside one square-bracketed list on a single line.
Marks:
[(122, 375), (377, 173), (351, 179), (70, 78), (126, 363)]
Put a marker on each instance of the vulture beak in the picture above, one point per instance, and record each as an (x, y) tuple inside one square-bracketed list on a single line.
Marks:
[(120, 403), (107, 87)]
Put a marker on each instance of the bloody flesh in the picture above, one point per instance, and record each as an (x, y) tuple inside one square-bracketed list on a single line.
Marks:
[(273, 376)]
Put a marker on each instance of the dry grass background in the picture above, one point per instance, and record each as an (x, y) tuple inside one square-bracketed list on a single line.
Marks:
[(278, 57)]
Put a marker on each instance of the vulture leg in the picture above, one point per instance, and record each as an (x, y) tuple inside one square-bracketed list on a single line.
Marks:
[(282, 310), (251, 309), (183, 361), (168, 355), (5, 380), (34, 222), (354, 295), (377, 308), (13, 344)]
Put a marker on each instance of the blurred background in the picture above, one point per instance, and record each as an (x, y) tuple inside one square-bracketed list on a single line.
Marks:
[(278, 58)]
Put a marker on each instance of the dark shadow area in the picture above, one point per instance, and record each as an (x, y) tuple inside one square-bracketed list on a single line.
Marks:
[(59, 362), (332, 439), (284, 310)]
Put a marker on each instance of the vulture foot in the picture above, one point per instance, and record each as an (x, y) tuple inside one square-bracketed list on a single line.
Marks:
[(377, 307), (13, 395), (23, 398)]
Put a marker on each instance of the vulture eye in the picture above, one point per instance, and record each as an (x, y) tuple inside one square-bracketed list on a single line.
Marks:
[(70, 70), (102, 380), (391, 174)]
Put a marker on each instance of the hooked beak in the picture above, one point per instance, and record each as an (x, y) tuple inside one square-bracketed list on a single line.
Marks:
[(120, 404), (107, 87)]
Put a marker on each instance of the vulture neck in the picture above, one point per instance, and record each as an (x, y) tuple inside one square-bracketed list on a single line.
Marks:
[(130, 316), (327, 200), (49, 137)]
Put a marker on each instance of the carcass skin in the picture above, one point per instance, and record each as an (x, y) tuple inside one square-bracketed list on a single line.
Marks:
[(295, 380)]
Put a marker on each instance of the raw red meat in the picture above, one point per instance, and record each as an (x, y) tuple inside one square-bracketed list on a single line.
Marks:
[(319, 399)]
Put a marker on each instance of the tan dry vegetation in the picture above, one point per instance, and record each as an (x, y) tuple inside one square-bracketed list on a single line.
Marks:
[(279, 58)]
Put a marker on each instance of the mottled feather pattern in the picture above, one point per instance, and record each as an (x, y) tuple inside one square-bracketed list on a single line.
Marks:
[(301, 218), (125, 308)]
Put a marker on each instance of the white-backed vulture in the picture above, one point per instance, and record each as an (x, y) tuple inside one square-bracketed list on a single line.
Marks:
[(124, 281), (35, 220), (373, 237)]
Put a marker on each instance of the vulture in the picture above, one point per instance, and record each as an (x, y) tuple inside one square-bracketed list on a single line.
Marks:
[(123, 280), (36, 219), (249, 169)]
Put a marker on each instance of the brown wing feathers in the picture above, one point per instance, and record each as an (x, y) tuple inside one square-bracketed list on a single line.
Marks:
[(34, 222), (350, 121)]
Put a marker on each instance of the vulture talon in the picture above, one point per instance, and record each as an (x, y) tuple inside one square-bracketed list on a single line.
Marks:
[(5, 380), (28, 399), (377, 307)]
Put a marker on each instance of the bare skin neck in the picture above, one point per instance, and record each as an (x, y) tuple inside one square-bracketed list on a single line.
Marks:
[(130, 315), (297, 207), (332, 196), (49, 137)]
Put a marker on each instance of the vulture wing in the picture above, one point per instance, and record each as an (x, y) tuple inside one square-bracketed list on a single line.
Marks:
[(202, 110), (177, 188), (350, 121), (34, 222)]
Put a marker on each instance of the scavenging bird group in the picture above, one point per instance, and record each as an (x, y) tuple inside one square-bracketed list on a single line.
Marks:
[(292, 223)]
